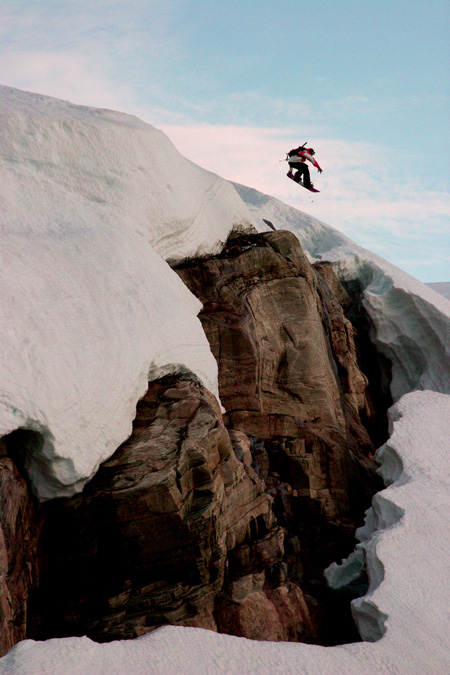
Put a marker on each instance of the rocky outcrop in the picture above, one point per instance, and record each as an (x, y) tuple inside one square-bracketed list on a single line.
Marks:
[(20, 529), (288, 369), (212, 518), (291, 381), (172, 522)]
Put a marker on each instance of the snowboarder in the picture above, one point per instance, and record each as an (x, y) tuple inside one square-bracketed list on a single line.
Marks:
[(297, 159)]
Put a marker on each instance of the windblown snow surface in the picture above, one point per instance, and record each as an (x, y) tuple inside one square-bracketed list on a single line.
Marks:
[(442, 287), (93, 204)]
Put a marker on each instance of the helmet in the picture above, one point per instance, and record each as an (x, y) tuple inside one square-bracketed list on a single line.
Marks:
[(311, 151)]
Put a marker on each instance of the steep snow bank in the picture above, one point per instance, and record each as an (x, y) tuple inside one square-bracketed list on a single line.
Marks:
[(408, 516), (86, 315), (410, 321), (90, 165), (409, 553), (89, 309)]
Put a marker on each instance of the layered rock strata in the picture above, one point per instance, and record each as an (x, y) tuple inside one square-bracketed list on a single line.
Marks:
[(170, 524), (291, 382), (223, 520), (20, 530), (288, 367)]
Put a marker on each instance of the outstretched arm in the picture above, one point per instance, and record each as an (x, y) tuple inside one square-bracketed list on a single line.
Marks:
[(311, 159)]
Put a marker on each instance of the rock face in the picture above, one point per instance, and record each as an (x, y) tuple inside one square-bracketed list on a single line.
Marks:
[(288, 369), (221, 520), (291, 383), (168, 524), (20, 529)]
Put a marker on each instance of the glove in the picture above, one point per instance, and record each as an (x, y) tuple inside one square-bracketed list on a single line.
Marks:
[(320, 170)]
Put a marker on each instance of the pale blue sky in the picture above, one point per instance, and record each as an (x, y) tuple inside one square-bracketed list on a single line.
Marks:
[(236, 84)]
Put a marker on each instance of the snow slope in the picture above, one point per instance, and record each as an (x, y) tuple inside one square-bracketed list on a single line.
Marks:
[(93, 203), (442, 287)]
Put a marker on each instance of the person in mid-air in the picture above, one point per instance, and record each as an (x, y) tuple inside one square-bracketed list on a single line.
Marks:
[(297, 159)]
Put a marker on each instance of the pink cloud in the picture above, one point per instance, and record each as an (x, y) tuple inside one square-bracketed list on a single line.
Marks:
[(63, 75), (357, 194)]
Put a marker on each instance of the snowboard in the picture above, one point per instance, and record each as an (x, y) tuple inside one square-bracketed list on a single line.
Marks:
[(267, 222), (312, 189)]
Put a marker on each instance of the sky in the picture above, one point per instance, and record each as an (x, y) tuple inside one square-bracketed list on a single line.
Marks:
[(236, 84)]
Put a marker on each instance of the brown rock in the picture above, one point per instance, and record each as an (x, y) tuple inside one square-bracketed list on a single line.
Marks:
[(204, 520), (279, 614), (20, 529), (263, 320), (270, 317), (146, 543), (290, 379)]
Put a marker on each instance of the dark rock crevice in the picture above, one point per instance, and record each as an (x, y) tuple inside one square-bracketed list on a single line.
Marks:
[(374, 365)]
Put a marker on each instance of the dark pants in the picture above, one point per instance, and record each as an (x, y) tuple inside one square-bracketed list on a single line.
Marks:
[(302, 172)]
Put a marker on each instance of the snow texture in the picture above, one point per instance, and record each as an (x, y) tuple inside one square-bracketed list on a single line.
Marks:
[(92, 201), (442, 287)]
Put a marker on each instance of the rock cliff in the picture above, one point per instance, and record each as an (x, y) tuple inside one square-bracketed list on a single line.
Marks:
[(289, 375), (20, 531), (223, 519)]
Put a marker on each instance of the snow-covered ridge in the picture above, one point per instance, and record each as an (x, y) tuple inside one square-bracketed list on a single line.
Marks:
[(92, 201), (114, 167)]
